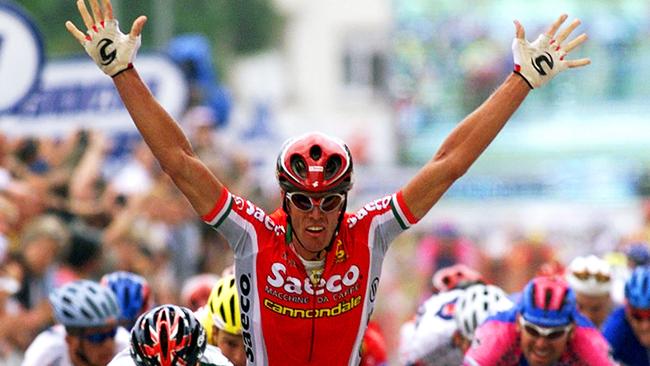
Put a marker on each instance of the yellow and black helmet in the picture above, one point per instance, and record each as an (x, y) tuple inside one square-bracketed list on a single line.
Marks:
[(223, 306)]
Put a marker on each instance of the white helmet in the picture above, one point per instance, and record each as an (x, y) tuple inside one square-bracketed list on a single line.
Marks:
[(476, 304), (84, 304), (590, 276)]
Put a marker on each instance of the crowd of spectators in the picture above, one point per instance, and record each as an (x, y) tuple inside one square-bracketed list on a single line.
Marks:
[(89, 203)]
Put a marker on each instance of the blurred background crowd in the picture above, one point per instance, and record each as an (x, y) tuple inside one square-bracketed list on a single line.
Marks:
[(568, 177)]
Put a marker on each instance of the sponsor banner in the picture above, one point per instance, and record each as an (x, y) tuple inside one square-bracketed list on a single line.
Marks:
[(75, 94), (21, 55)]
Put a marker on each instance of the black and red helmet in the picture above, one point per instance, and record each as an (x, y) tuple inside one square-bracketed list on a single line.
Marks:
[(167, 335), (315, 163)]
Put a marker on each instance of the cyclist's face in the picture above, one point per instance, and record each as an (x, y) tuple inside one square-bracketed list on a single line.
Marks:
[(540, 350), (232, 346), (640, 325), (96, 346), (316, 225), (596, 308)]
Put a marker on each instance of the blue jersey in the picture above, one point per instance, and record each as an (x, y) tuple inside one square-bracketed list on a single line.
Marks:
[(625, 346)]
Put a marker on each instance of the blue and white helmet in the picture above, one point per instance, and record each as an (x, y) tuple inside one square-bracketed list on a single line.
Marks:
[(637, 288), (84, 304), (476, 304)]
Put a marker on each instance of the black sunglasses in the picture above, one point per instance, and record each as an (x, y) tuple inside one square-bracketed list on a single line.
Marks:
[(100, 337), (327, 203)]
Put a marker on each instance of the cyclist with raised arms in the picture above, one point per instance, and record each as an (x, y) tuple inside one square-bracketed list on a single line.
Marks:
[(169, 335), (627, 328), (544, 329), (87, 334), (307, 274)]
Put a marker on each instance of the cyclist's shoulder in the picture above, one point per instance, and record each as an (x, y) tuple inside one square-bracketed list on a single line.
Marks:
[(48, 347), (122, 339), (497, 335), (52, 337), (212, 356), (494, 342), (616, 324), (122, 358), (390, 203)]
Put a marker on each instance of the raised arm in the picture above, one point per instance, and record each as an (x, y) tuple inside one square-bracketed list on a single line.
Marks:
[(114, 53), (535, 64)]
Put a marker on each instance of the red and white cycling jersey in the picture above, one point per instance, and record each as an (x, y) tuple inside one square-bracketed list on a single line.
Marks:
[(286, 320)]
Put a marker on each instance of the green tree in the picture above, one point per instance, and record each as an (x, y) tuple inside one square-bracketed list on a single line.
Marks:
[(234, 27)]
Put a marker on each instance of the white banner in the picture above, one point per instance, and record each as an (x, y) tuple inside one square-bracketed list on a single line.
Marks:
[(75, 93)]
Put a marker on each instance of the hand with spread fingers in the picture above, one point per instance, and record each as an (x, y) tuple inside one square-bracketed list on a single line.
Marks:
[(112, 50), (539, 61)]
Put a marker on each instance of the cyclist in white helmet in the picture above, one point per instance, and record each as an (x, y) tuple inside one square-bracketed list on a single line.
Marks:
[(87, 333), (169, 335), (591, 280), (429, 339), (473, 307)]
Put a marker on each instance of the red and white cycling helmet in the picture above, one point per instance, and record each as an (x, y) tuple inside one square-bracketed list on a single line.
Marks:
[(166, 336), (458, 275), (196, 290), (314, 163)]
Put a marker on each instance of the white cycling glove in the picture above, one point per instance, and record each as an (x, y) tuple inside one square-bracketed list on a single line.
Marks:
[(538, 62), (112, 50)]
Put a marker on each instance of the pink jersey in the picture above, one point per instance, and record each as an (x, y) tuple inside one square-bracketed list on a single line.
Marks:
[(496, 343), (285, 319)]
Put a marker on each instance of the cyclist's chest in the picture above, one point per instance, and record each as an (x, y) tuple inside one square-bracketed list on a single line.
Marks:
[(284, 283)]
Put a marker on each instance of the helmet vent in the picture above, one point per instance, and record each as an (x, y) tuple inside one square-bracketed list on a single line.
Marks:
[(315, 152), (299, 166), (548, 294), (332, 167)]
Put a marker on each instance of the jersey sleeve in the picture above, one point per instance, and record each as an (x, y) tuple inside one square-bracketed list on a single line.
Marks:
[(242, 223), (590, 346), (123, 358), (384, 218), (48, 348), (212, 356)]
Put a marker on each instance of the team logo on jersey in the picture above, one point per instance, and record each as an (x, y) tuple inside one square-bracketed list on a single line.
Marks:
[(447, 310), (339, 253), (334, 284), (380, 204), (246, 305)]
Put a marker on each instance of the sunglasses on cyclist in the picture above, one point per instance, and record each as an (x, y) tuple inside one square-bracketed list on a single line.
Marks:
[(639, 314), (305, 203), (99, 337), (548, 333), (586, 275)]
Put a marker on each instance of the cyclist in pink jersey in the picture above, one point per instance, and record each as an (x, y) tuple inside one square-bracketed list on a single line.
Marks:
[(307, 274), (543, 329)]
